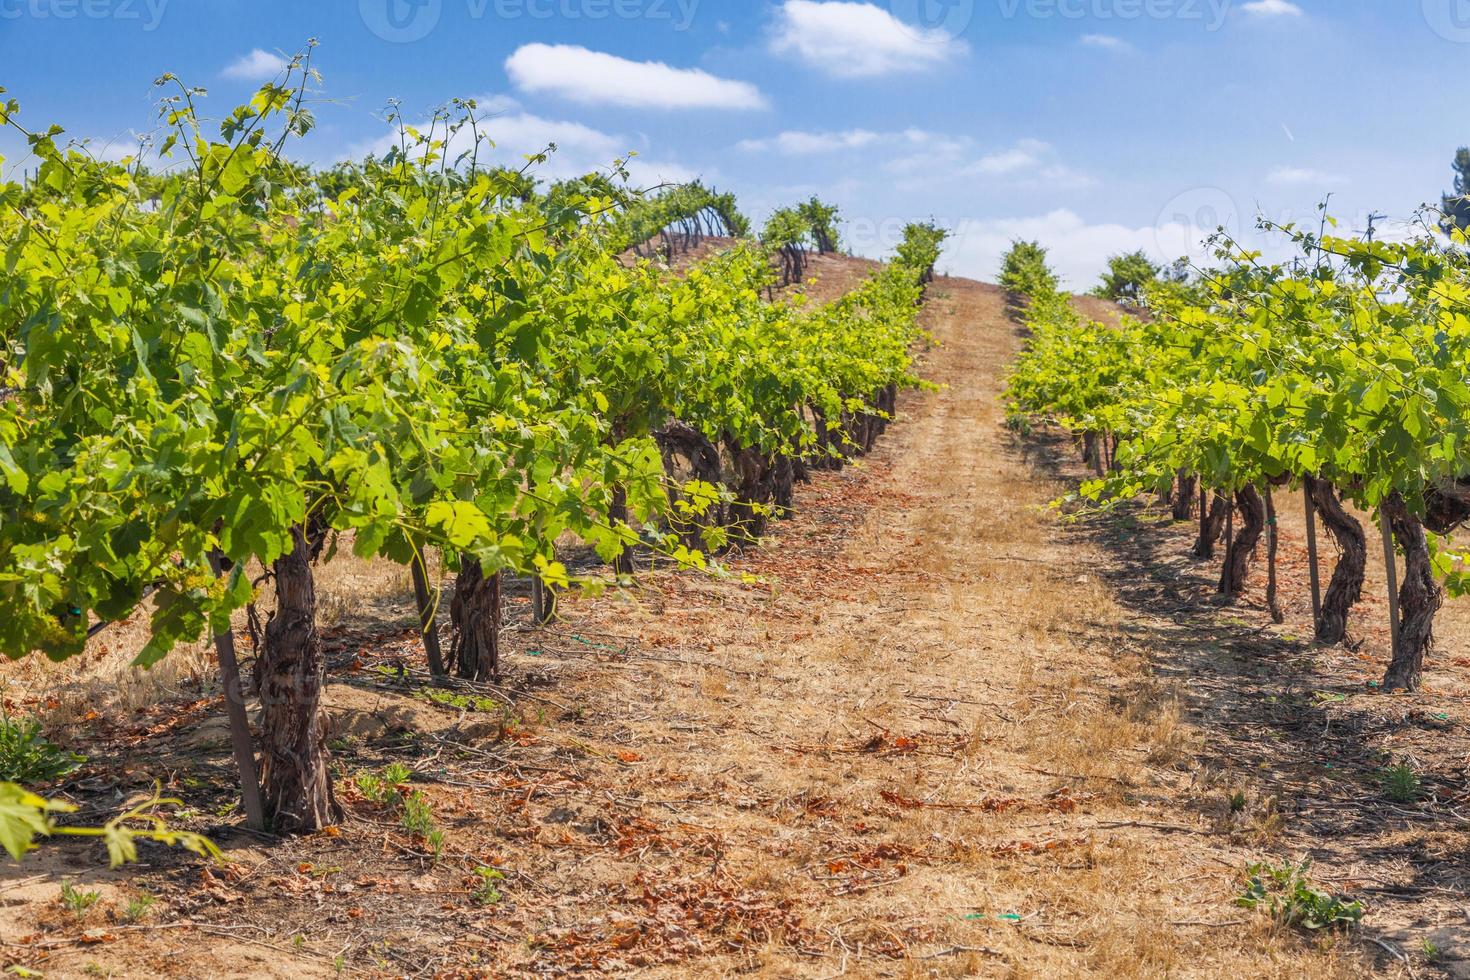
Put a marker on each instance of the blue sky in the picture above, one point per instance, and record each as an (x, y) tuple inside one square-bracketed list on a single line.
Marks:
[(1094, 125)]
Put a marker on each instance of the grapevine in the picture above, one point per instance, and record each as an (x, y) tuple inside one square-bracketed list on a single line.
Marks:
[(241, 363)]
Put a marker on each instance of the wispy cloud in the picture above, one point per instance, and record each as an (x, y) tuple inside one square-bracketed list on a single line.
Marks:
[(1025, 155), (257, 66), (594, 78), (935, 157), (1107, 41), (1272, 8), (798, 143), (856, 40), (1030, 161), (1304, 176)]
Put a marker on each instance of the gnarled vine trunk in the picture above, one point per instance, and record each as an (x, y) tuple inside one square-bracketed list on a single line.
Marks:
[(681, 439), (295, 775), (1346, 586), (1419, 599), (617, 513), (783, 486), (1211, 525), (1243, 542), (1184, 497), (1092, 452), (828, 456), (476, 615), (753, 488)]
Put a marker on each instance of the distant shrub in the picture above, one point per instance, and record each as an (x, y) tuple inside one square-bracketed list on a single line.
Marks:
[(1024, 270)]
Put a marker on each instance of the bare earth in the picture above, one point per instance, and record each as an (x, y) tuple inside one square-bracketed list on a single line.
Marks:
[(945, 734)]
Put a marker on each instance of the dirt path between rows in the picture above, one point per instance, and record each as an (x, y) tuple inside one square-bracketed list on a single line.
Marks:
[(941, 734), (940, 745)]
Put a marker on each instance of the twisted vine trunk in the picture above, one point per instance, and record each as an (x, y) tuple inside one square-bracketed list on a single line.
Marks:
[(617, 513), (783, 486), (828, 457), (295, 776), (1211, 525), (1243, 542), (476, 614), (872, 425), (1184, 497), (1092, 452), (753, 488), (1346, 587), (889, 404), (1419, 599), (681, 439)]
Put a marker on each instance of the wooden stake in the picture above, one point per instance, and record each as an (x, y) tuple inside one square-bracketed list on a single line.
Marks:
[(1229, 544), (1312, 557), (1391, 560), (542, 605), (428, 628), (240, 740)]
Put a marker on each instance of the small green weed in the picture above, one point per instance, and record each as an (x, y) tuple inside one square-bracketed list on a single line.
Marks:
[(414, 810), (464, 702), (139, 907), (1401, 783), (418, 816), (1286, 893), (382, 787), (27, 758), (78, 902), (487, 893)]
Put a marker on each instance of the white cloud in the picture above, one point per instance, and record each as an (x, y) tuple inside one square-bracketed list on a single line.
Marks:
[(257, 66), (798, 143), (856, 40), (1272, 8), (1025, 155), (935, 158), (931, 156), (1078, 251), (580, 149), (1105, 41), (595, 78), (1296, 176)]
